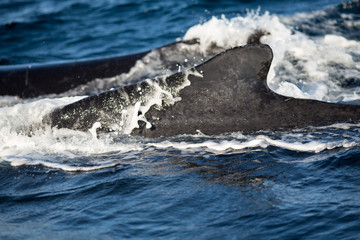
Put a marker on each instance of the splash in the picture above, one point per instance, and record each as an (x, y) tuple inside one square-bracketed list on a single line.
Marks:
[(303, 67)]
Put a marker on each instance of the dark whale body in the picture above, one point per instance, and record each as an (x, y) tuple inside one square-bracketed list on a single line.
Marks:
[(33, 80), (227, 93), (39, 79)]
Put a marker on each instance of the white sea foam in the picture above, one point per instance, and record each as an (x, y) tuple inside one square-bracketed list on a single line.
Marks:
[(62, 148), (20, 115), (303, 66), (260, 141), (25, 140)]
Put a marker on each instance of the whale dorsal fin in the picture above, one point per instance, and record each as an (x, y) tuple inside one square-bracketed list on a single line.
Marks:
[(247, 66), (231, 82)]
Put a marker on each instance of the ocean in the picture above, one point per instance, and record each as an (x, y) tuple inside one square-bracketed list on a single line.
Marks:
[(66, 184)]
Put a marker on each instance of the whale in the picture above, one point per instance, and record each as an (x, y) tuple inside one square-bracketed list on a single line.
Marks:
[(227, 93)]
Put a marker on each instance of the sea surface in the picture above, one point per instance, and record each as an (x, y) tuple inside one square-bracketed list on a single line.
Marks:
[(67, 184)]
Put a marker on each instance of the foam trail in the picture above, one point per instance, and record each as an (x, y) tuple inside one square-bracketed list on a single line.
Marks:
[(16, 162), (260, 141)]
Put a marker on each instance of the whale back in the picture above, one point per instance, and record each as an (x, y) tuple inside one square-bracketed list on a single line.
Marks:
[(227, 93)]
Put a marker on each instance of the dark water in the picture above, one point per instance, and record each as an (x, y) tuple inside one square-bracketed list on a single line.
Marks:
[(256, 193), (302, 184)]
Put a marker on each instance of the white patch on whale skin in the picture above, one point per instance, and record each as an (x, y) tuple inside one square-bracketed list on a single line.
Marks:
[(157, 93)]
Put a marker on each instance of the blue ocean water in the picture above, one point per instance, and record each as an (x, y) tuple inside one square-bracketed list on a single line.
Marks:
[(43, 31), (299, 184)]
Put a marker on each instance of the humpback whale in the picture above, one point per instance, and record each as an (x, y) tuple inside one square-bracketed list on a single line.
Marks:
[(227, 93)]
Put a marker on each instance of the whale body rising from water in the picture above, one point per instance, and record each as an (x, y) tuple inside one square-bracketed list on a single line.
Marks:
[(227, 93)]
